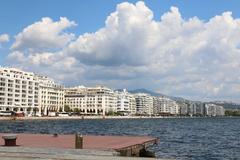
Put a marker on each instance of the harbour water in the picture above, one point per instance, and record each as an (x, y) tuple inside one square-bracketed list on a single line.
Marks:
[(180, 138)]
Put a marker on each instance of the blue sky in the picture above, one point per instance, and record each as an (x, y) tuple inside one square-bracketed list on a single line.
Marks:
[(91, 14), (179, 55)]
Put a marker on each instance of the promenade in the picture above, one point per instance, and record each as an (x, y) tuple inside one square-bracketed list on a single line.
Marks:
[(26, 153)]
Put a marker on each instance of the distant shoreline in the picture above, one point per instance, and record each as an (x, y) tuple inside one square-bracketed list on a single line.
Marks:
[(99, 117), (77, 118)]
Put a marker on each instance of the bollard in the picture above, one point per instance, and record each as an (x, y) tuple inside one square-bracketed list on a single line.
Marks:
[(55, 135), (10, 140), (78, 141)]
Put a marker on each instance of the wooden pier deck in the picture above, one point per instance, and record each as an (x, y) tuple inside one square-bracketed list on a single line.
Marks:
[(125, 145)]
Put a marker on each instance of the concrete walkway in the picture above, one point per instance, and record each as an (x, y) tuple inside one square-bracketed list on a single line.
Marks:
[(24, 153)]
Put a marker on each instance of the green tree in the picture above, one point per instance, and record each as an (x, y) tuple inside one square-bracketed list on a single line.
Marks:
[(232, 113), (67, 108), (76, 110)]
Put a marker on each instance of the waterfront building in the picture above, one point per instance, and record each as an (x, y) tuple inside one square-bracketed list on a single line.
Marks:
[(132, 104), (200, 109), (192, 109), (51, 96), (126, 103), (214, 110), (18, 91), (144, 104), (97, 100), (183, 108), (165, 106)]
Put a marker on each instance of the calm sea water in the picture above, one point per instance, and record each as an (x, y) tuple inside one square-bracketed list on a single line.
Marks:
[(186, 138)]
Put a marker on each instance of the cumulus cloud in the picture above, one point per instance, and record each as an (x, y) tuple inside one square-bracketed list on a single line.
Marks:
[(44, 35), (4, 38), (177, 56)]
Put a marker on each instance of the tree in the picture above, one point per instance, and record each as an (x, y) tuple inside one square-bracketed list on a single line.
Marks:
[(76, 110), (110, 113), (67, 108)]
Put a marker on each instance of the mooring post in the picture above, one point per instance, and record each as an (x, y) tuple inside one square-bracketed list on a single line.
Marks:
[(10, 140), (78, 141)]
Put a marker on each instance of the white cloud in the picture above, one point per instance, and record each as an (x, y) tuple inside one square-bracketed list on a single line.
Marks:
[(184, 57), (4, 38), (44, 35)]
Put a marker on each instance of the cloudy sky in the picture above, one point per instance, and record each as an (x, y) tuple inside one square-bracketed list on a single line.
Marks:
[(187, 49)]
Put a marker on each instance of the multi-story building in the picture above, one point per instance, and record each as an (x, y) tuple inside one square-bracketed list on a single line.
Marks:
[(214, 110), (200, 109), (51, 96), (192, 109), (183, 108), (91, 100), (164, 105), (132, 104), (126, 103), (123, 102), (18, 91), (144, 104)]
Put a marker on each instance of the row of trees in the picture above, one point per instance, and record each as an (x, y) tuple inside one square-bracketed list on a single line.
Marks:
[(68, 109), (76, 110), (232, 113)]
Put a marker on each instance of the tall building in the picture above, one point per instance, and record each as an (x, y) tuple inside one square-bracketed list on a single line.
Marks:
[(214, 110), (51, 96), (91, 100), (126, 103), (18, 91), (183, 108), (200, 110), (192, 109), (144, 104), (164, 105), (132, 104)]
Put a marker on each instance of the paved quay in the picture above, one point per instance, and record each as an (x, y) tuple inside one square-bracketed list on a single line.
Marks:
[(25, 153)]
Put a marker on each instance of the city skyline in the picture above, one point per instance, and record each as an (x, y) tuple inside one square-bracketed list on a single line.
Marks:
[(166, 47)]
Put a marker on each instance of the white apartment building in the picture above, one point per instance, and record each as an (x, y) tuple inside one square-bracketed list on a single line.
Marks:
[(214, 110), (132, 104), (144, 104), (91, 100), (18, 91), (164, 105), (51, 96), (126, 102)]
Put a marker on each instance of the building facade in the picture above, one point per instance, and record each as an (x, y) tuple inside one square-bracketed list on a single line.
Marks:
[(132, 104), (165, 106), (51, 96), (126, 102), (144, 104), (201, 109), (98, 100), (18, 91), (213, 110)]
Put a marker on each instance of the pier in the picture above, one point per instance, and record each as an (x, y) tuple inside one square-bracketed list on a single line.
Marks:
[(130, 146)]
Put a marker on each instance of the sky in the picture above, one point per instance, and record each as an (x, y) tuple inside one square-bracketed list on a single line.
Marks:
[(181, 48)]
